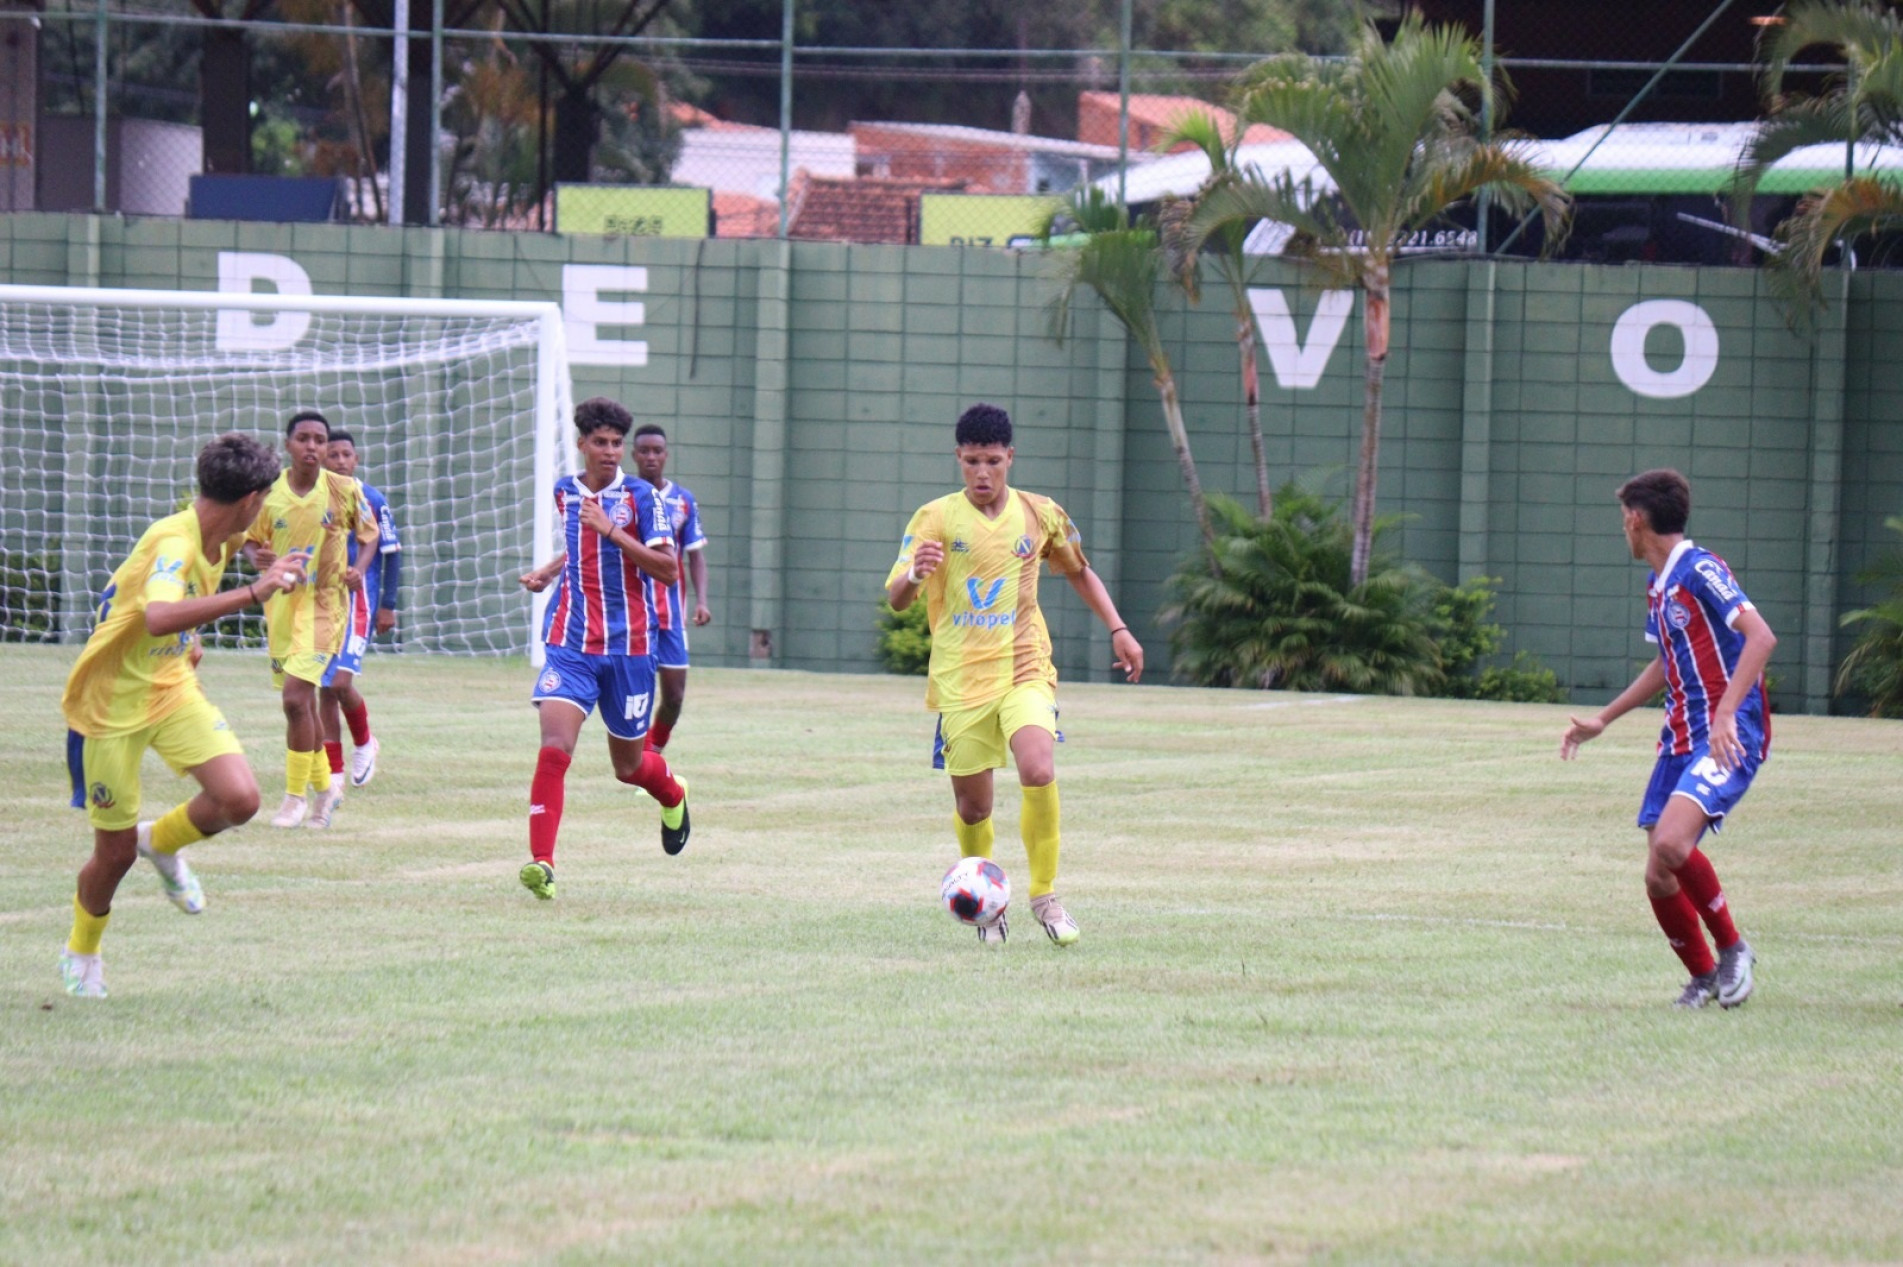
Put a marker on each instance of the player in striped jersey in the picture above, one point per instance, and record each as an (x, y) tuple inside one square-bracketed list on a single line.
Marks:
[(597, 633), (1713, 646), (974, 555), (669, 601), (372, 610), (135, 686), (311, 512)]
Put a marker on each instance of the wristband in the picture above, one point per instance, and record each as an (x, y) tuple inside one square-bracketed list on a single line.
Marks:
[(252, 589), (1119, 629), (914, 577)]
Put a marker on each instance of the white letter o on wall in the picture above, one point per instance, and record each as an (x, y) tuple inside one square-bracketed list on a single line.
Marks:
[(1628, 348)]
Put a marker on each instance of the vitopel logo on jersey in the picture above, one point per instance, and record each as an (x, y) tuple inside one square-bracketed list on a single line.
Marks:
[(990, 596)]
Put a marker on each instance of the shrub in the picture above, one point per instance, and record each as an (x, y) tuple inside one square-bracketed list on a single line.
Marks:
[(905, 639), (1269, 605), (1874, 668), (29, 596), (1467, 638)]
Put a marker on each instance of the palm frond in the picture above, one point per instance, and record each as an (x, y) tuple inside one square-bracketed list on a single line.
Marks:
[(1863, 204)]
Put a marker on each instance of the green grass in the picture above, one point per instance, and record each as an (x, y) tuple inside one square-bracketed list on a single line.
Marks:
[(1360, 980)]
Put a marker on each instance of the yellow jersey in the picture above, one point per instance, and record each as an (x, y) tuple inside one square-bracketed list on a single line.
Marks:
[(988, 634), (318, 525), (126, 679)]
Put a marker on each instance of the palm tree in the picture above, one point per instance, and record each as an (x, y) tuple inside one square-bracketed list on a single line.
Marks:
[(1874, 667), (1865, 106), (1122, 263), (1201, 130), (1393, 128)]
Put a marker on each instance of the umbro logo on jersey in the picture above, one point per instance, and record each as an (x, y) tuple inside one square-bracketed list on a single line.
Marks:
[(983, 602)]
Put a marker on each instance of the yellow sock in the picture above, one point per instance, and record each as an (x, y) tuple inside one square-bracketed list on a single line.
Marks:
[(87, 929), (297, 770), (974, 839), (1037, 823), (175, 831)]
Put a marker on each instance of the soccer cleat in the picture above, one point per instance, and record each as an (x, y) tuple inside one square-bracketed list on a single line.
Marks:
[(539, 879), (674, 836), (326, 804), (995, 932), (85, 978), (1699, 991), (1734, 973), (1056, 920), (291, 813), (363, 763), (175, 875)]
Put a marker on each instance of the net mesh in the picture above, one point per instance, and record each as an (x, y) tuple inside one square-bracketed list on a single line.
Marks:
[(107, 406)]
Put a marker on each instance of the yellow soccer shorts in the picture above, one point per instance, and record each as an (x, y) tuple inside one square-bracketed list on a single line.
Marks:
[(306, 666), (971, 740), (186, 738)]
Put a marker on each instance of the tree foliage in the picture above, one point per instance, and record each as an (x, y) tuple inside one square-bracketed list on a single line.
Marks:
[(1394, 126), (1874, 668), (1864, 104)]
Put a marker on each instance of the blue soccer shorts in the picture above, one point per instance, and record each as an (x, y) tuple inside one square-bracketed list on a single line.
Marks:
[(1697, 777), (670, 647), (622, 684)]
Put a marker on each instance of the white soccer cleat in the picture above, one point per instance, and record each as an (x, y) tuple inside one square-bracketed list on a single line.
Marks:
[(325, 806), (291, 813), (83, 975), (1735, 978), (994, 933), (1056, 920), (363, 763), (175, 875)]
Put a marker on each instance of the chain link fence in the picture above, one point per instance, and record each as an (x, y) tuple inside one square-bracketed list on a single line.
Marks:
[(558, 117)]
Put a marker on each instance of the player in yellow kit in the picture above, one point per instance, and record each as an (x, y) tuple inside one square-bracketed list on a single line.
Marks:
[(135, 687), (311, 512), (974, 555)]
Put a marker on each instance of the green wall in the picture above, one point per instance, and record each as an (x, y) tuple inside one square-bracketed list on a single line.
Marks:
[(809, 389)]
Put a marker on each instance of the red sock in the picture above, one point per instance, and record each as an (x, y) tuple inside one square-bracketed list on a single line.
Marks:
[(653, 777), (359, 723), (545, 803), (335, 751), (1700, 882), (1679, 918), (658, 735)]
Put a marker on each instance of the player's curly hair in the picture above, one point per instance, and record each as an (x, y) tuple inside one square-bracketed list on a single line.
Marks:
[(597, 412), (1663, 496), (984, 424), (233, 467), (305, 415)]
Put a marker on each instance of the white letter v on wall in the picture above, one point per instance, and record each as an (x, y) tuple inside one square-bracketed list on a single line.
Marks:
[(1297, 364)]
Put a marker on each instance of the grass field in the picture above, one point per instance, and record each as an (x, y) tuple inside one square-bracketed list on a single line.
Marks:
[(1360, 980)]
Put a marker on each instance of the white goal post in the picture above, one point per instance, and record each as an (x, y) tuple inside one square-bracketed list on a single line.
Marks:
[(461, 410)]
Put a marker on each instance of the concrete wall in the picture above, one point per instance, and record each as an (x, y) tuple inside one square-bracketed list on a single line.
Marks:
[(809, 389)]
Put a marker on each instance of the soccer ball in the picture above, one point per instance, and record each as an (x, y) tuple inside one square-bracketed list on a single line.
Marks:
[(976, 892)]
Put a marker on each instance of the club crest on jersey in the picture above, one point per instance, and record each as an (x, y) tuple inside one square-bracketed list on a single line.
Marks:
[(102, 797), (1676, 616), (620, 515), (551, 682), (983, 602), (328, 519), (1024, 547)]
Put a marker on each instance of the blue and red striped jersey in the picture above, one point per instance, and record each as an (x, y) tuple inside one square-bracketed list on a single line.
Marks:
[(600, 606), (683, 520), (1691, 607)]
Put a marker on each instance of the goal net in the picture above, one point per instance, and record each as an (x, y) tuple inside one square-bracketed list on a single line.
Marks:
[(459, 409)]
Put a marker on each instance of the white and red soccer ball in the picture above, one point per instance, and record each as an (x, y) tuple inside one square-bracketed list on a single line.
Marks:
[(976, 892)]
